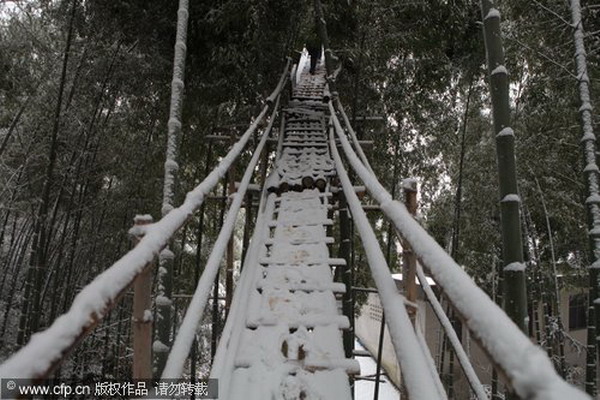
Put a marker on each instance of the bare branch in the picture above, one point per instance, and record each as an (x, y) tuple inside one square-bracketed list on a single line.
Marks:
[(553, 13), (544, 56)]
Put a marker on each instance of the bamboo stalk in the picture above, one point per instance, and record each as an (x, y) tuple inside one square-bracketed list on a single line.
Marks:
[(165, 276), (588, 146), (515, 299)]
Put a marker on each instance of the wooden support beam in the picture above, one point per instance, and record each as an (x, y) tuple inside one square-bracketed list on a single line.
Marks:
[(369, 118), (362, 143), (227, 138), (252, 188)]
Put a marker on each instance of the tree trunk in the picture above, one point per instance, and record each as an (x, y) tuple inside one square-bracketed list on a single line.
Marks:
[(38, 253), (588, 144), (561, 366), (20, 251), (515, 293), (537, 286), (165, 276)]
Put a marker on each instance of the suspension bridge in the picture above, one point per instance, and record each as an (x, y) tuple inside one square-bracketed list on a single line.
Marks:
[(289, 324)]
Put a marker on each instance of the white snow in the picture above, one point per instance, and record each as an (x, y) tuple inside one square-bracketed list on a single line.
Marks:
[(48, 346), (175, 109), (364, 389), (148, 317), (256, 364), (143, 218), (593, 199), (174, 123), (526, 366), (515, 266), (398, 277), (591, 167), (493, 13), (302, 64), (500, 69), (173, 137), (506, 132), (193, 316), (223, 364), (409, 184), (167, 255), (584, 77), (588, 136), (418, 378), (159, 347), (171, 166), (277, 307), (511, 198), (163, 301)]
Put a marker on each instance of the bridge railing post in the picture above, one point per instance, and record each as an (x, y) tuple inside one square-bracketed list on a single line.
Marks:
[(142, 315), (409, 259)]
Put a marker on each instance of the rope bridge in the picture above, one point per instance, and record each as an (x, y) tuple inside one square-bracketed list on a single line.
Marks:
[(284, 335)]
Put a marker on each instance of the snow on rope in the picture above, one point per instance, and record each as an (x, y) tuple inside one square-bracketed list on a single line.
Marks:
[(357, 146), (193, 315), (526, 366), (46, 349), (461, 355), (416, 374), (224, 361)]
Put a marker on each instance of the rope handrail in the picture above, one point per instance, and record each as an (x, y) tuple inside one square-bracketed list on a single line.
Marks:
[(430, 362), (46, 349), (223, 363), (461, 355), (525, 366), (193, 315), (417, 376), (359, 150)]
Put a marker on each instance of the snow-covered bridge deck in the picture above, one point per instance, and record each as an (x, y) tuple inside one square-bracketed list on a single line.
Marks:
[(290, 340)]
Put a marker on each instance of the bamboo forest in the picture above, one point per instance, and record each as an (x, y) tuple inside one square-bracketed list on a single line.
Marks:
[(299, 200)]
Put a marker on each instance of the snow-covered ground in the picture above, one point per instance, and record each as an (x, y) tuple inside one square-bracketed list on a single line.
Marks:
[(363, 389)]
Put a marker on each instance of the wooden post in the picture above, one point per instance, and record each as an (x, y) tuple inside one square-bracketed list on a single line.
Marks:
[(343, 273), (409, 266), (230, 255), (142, 315)]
